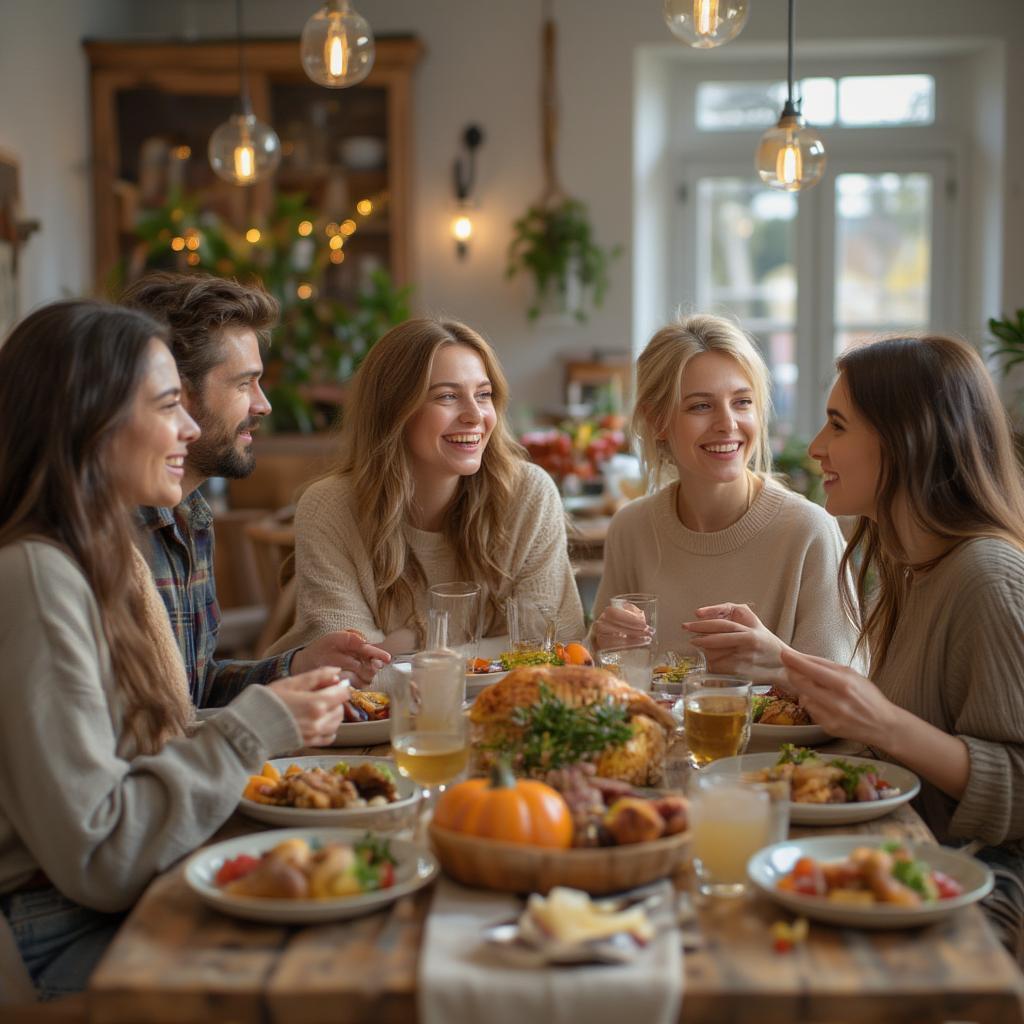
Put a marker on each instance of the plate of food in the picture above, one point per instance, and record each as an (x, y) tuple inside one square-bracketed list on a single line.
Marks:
[(483, 671), (856, 882), (307, 876), (351, 792), (780, 719), (668, 676), (367, 720), (827, 789)]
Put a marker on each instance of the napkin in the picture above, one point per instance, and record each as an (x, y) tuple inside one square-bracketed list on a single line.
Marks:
[(462, 980)]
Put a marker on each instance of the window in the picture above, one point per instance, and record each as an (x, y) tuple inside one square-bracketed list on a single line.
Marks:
[(867, 251)]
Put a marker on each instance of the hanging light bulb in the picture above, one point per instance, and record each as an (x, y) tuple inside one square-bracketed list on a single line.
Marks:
[(337, 45), (706, 23), (790, 156), (243, 149)]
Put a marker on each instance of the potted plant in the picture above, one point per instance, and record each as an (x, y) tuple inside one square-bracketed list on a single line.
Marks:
[(554, 242), (1010, 334)]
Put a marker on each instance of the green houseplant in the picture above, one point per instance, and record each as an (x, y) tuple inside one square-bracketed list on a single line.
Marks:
[(319, 341), (1009, 333), (554, 243)]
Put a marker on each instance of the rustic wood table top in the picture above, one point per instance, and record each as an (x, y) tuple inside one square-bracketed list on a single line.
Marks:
[(175, 961)]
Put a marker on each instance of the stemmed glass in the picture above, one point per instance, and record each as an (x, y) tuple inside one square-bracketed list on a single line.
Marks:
[(429, 736)]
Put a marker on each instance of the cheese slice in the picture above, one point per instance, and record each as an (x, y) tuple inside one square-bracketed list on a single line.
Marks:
[(570, 916)]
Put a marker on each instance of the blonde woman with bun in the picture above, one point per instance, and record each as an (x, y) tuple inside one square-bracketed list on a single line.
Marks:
[(718, 536), (431, 487)]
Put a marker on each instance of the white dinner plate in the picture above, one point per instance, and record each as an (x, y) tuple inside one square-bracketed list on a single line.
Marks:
[(415, 868), (905, 781), (769, 865), (363, 734), (390, 816), (801, 735)]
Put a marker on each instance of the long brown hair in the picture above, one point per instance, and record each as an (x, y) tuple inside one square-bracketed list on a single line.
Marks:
[(68, 375), (946, 451), (659, 375), (391, 384)]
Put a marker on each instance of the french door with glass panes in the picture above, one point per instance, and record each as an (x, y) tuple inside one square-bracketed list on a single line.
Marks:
[(866, 251)]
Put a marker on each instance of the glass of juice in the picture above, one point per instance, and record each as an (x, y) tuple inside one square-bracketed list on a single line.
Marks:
[(716, 716), (730, 822), (429, 737)]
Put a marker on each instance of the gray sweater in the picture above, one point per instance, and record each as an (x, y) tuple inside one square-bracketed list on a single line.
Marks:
[(101, 825), (957, 660)]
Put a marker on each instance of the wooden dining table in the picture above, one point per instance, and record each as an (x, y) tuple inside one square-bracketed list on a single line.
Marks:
[(176, 961)]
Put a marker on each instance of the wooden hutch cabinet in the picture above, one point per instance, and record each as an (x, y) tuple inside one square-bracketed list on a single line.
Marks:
[(154, 106)]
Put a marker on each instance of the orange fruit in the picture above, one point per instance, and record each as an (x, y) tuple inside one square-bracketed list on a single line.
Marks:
[(577, 654)]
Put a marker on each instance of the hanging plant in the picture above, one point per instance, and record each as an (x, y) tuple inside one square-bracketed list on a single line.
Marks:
[(554, 240), (555, 244)]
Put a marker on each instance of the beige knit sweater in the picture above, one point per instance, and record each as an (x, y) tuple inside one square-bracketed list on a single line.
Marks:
[(957, 660), (781, 558), (337, 590)]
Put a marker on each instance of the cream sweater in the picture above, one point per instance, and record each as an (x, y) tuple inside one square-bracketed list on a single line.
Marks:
[(957, 660), (781, 558), (100, 822), (337, 590)]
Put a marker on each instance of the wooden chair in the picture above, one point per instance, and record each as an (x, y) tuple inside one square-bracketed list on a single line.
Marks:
[(272, 539)]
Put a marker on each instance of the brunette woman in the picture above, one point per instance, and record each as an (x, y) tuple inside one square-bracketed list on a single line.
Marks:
[(430, 488), (918, 446), (106, 780), (719, 529)]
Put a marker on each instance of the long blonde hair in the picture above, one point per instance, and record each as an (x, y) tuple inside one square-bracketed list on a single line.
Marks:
[(659, 376), (391, 385), (946, 445)]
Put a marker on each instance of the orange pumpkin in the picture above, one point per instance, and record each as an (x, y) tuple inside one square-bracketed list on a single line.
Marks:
[(508, 809)]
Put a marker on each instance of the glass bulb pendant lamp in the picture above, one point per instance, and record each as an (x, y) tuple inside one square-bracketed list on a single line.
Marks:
[(790, 156), (704, 24), (243, 149), (337, 47)]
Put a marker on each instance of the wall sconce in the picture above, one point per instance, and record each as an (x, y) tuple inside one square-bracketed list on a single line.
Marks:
[(464, 174)]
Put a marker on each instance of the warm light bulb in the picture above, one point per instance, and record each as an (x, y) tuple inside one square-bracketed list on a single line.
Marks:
[(790, 156), (305, 228), (462, 228), (253, 235), (706, 23), (243, 150), (364, 207), (337, 48)]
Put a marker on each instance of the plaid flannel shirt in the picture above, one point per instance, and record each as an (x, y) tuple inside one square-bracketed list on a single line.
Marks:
[(181, 557)]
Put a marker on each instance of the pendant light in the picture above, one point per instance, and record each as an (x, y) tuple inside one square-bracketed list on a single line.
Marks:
[(703, 24), (337, 45), (790, 156), (243, 150)]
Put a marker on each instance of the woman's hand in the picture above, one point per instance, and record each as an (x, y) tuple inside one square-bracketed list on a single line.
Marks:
[(843, 702), (316, 701), (736, 641), (624, 626), (345, 649)]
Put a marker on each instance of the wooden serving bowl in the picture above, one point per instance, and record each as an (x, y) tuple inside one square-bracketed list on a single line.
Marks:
[(514, 867)]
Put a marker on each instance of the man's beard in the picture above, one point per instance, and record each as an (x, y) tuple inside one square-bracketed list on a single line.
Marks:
[(215, 453)]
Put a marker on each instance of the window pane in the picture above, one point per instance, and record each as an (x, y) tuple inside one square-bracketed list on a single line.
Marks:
[(887, 99), (746, 267), (883, 253), (732, 106)]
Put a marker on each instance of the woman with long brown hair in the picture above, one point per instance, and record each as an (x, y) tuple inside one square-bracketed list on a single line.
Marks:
[(431, 487), (918, 446), (106, 778)]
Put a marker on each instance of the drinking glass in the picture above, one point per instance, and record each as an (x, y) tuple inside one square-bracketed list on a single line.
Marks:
[(716, 716), (671, 667), (462, 602), (531, 626), (429, 738), (645, 603), (631, 664), (729, 822)]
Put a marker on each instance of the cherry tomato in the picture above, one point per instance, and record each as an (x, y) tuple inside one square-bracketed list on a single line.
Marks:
[(947, 887), (386, 878), (235, 868)]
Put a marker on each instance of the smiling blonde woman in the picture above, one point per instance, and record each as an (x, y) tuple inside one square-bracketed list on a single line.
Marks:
[(720, 534), (430, 487)]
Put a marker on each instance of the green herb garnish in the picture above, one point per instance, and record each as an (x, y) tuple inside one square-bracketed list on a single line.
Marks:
[(851, 774), (760, 703), (916, 875), (790, 754), (513, 659), (556, 734), (341, 768)]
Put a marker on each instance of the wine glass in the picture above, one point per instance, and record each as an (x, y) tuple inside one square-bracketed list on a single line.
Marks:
[(429, 736)]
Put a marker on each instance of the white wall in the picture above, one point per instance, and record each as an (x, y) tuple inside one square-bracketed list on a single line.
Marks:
[(481, 64)]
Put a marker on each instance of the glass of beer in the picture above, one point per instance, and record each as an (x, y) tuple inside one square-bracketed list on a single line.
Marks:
[(429, 737), (716, 716)]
